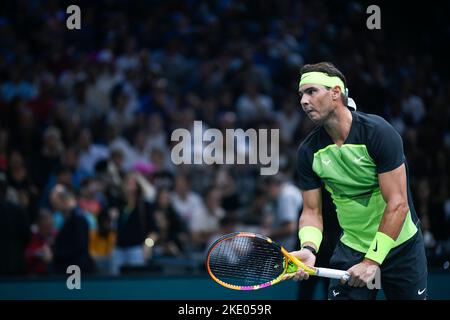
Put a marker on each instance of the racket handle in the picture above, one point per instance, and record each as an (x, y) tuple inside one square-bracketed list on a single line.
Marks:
[(332, 273), (320, 272)]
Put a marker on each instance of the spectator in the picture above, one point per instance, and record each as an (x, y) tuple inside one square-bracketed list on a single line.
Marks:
[(171, 235), (122, 114), (206, 222), (185, 201), (72, 240), (134, 225), (17, 86), (163, 177), (102, 242), (282, 219), (39, 254), (51, 154), (20, 182), (288, 120), (44, 102), (90, 153), (77, 103), (253, 104), (226, 184), (139, 153), (90, 197), (70, 160), (14, 234)]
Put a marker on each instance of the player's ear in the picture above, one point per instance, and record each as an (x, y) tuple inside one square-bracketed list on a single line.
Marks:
[(335, 93)]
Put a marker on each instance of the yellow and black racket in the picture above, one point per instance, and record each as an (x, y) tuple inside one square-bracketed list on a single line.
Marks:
[(249, 261)]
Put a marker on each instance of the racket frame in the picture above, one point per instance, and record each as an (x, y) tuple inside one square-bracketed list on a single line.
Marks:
[(321, 272)]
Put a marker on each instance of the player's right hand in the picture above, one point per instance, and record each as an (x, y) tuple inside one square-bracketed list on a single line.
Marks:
[(305, 256)]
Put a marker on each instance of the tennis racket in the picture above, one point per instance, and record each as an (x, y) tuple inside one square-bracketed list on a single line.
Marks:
[(249, 261)]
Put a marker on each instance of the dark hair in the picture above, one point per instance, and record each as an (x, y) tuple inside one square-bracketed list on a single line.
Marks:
[(325, 67), (329, 69)]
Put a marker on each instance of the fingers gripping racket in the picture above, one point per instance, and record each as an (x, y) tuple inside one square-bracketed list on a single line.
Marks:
[(249, 261)]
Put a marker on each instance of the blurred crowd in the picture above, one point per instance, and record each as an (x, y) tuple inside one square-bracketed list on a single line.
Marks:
[(86, 118)]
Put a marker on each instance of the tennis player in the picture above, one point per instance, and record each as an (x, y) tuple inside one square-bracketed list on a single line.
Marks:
[(359, 159)]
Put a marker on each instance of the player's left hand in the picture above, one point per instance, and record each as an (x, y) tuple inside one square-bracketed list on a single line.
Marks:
[(361, 273)]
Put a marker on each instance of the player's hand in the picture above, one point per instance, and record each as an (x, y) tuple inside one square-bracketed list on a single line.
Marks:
[(362, 273), (305, 256)]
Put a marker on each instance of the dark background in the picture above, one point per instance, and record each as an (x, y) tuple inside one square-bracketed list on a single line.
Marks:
[(176, 61)]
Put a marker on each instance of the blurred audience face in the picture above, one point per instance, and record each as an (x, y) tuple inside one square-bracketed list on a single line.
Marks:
[(52, 140), (160, 90), (26, 120), (45, 224), (89, 189), (228, 121), (117, 158), (157, 158), (155, 123), (17, 166), (64, 177), (55, 200), (213, 199), (225, 182), (130, 186), (122, 101), (140, 140), (226, 99), (252, 90), (61, 199), (164, 199), (273, 190), (85, 139), (70, 158), (187, 118), (181, 185), (16, 160)]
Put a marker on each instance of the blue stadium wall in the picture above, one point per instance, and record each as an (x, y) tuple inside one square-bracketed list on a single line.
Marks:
[(167, 288)]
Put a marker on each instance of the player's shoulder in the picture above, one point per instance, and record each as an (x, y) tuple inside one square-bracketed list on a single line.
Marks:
[(370, 120), (372, 125)]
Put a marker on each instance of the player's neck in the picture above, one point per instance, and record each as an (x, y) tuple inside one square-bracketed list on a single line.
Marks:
[(338, 125)]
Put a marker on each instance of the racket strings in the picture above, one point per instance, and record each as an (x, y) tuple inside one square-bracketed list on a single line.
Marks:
[(246, 261)]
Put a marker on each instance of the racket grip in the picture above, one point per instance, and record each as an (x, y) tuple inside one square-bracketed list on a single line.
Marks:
[(332, 273)]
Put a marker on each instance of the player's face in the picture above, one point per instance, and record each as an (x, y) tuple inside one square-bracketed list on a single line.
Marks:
[(316, 102)]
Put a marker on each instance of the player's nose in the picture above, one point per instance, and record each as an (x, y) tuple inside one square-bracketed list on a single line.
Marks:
[(304, 102)]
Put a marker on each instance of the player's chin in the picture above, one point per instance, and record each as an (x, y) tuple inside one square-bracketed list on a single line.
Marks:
[(315, 117)]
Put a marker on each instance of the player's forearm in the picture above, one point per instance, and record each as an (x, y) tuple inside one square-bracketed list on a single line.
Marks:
[(311, 218), (393, 218), (311, 228), (390, 227)]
